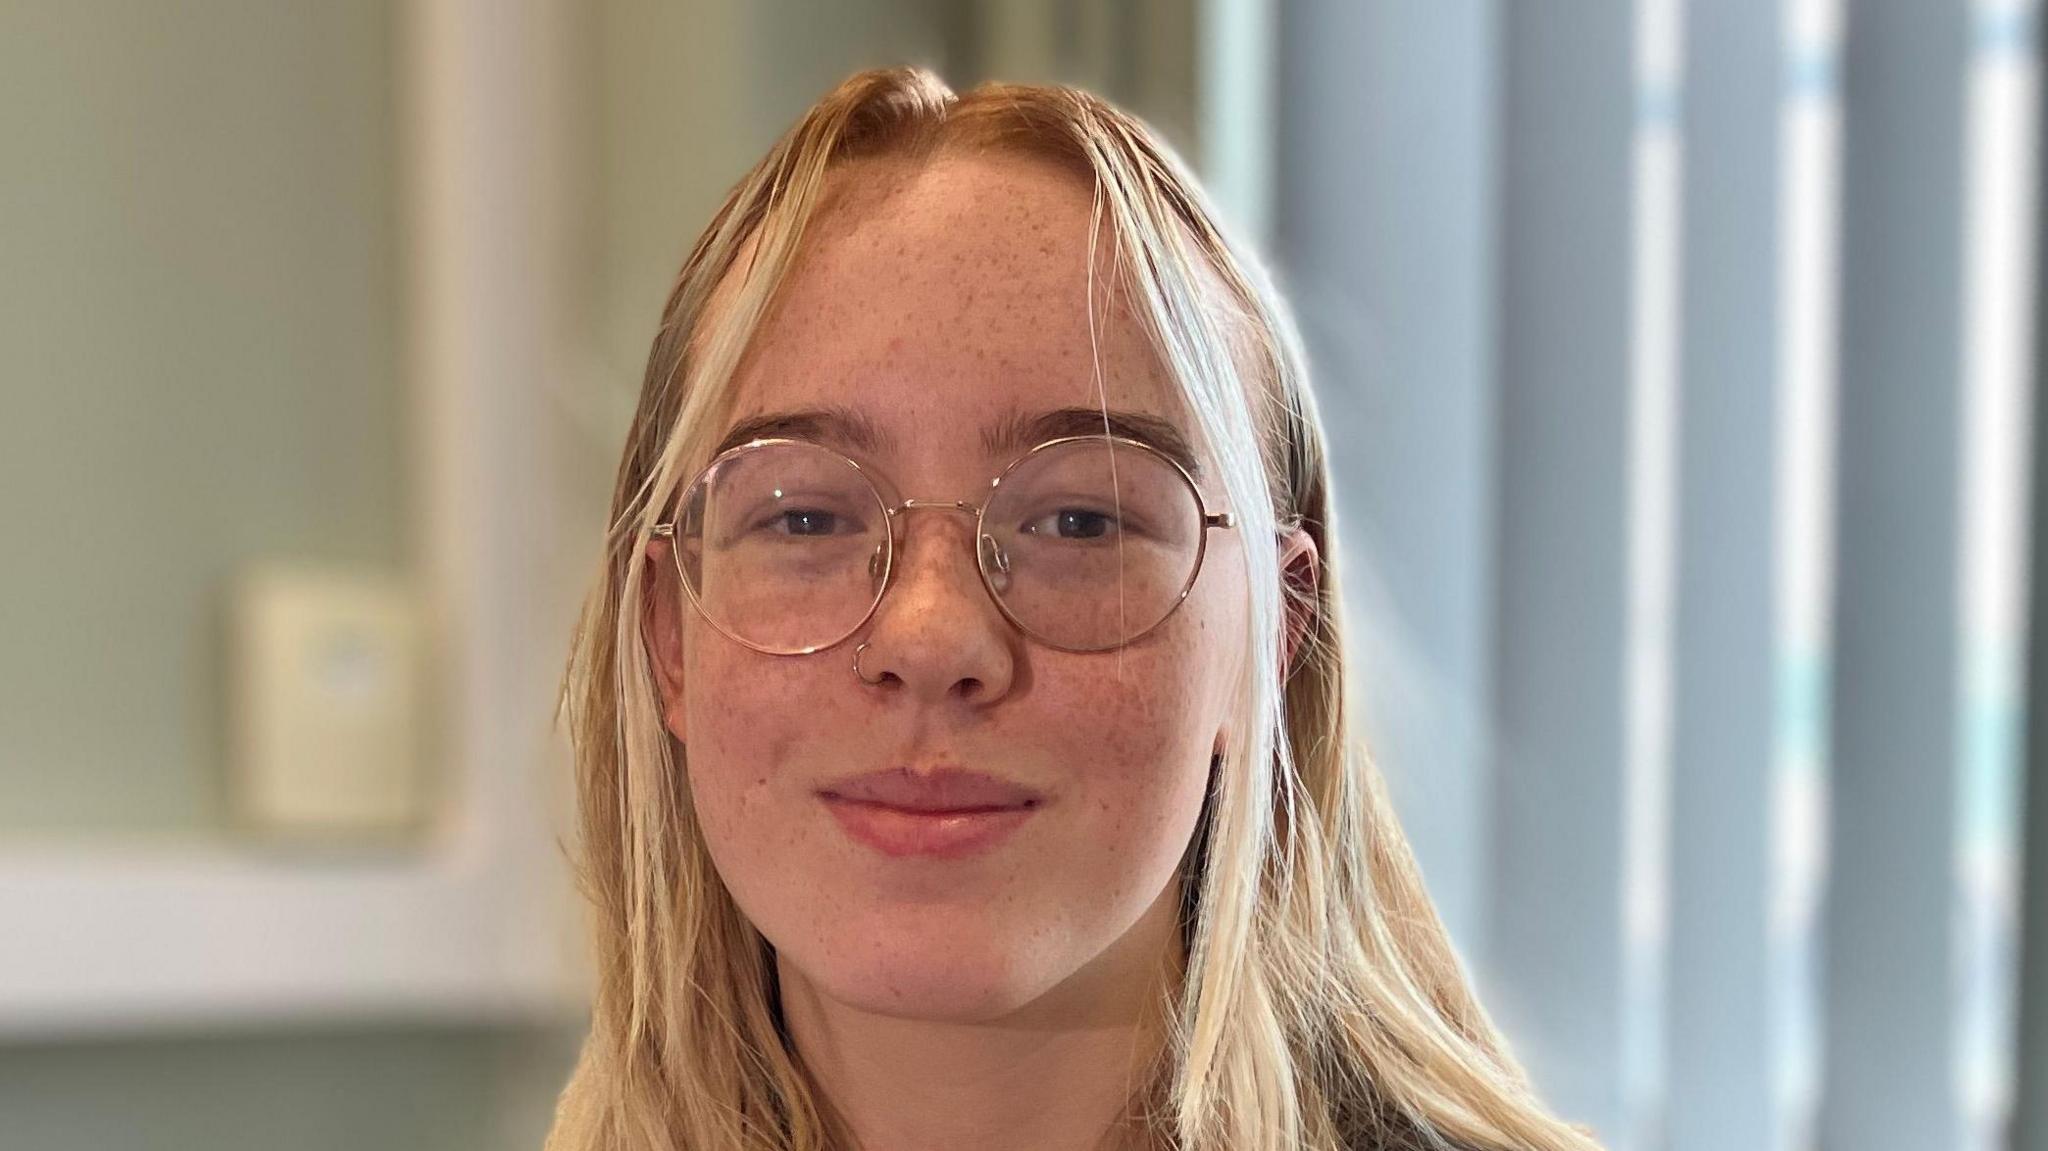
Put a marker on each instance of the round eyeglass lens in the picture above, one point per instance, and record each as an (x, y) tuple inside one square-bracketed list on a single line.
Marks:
[(1091, 543), (784, 546)]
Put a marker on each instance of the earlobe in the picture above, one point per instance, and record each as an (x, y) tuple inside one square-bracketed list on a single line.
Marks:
[(662, 632)]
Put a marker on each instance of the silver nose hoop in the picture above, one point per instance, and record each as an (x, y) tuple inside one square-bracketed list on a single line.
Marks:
[(856, 665)]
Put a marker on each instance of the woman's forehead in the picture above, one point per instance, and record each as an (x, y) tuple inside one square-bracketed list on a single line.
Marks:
[(957, 299)]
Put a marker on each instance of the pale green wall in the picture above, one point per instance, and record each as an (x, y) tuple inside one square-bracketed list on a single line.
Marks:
[(200, 277), (385, 1090), (198, 305)]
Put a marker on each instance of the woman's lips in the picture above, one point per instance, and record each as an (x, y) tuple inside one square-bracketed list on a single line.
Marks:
[(898, 833)]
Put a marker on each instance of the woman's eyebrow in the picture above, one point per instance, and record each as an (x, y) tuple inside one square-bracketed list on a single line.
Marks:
[(832, 424), (1019, 432), (1008, 436)]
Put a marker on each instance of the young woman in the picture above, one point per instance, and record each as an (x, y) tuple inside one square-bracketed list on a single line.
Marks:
[(963, 744)]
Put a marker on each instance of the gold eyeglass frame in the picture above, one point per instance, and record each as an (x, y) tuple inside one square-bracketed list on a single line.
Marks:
[(667, 530)]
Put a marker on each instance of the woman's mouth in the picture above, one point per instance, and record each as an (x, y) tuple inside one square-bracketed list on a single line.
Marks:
[(936, 834)]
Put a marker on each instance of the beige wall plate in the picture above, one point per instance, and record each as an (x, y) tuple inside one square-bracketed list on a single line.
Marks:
[(327, 685)]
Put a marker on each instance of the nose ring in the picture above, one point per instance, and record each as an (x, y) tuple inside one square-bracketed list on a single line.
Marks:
[(856, 665)]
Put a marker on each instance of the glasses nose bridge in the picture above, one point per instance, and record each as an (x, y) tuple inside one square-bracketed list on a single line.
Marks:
[(973, 511), (942, 505), (896, 516)]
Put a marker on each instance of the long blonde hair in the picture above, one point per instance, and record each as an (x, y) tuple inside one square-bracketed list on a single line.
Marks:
[(1321, 1006)]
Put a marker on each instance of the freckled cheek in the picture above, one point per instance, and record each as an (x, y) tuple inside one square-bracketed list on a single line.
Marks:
[(745, 729), (1160, 725), (1134, 747)]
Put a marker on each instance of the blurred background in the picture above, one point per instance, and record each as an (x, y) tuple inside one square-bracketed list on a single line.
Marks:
[(1679, 366)]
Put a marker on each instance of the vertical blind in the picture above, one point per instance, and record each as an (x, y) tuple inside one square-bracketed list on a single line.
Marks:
[(1677, 357)]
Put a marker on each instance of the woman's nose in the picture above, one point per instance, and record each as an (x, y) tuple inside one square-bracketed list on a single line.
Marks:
[(937, 634)]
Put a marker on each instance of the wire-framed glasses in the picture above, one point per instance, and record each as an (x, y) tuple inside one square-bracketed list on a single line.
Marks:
[(1085, 543)]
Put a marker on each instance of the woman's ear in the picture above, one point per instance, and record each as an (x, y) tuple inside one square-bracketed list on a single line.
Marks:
[(661, 627), (1301, 573)]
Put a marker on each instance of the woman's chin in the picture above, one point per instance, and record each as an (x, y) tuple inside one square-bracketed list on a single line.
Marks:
[(943, 997), (959, 985)]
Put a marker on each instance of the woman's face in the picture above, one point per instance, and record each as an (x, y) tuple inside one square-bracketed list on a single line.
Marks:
[(938, 302)]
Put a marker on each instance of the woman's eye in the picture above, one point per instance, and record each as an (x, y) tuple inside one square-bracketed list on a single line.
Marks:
[(1073, 524), (775, 522), (805, 522)]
